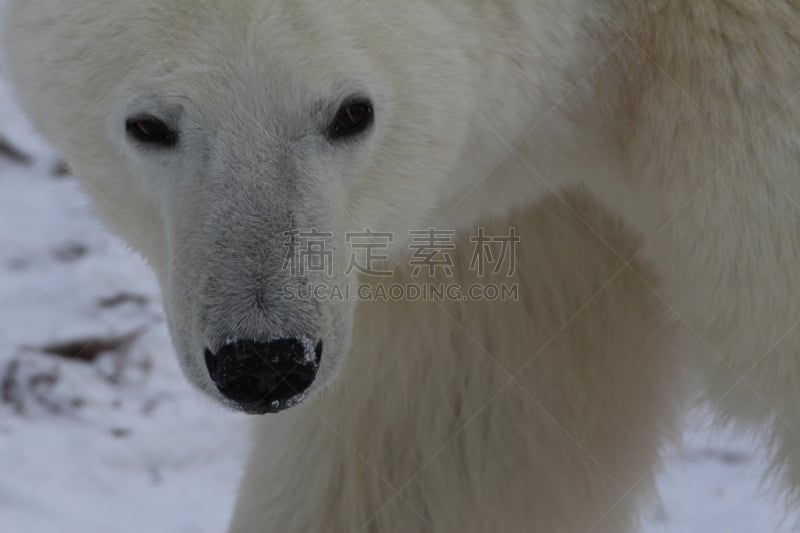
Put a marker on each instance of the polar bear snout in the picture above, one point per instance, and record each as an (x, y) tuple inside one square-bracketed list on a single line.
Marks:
[(265, 377)]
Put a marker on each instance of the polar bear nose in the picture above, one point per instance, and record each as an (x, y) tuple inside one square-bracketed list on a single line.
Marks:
[(265, 377)]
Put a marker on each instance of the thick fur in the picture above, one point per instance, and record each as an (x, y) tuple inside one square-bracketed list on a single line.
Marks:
[(647, 152)]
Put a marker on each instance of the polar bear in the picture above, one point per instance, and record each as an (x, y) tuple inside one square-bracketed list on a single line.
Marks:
[(644, 152)]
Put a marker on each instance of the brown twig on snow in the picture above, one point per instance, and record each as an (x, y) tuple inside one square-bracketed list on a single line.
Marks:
[(90, 348), (9, 389), (12, 152)]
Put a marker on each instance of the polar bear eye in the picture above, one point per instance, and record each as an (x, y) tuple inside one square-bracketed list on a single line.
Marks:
[(149, 130), (352, 118)]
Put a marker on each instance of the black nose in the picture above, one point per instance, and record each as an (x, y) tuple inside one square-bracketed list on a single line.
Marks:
[(265, 377)]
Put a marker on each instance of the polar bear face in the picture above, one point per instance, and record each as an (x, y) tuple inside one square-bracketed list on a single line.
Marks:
[(210, 133)]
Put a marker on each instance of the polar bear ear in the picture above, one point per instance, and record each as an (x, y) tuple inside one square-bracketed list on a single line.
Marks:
[(151, 131), (354, 117)]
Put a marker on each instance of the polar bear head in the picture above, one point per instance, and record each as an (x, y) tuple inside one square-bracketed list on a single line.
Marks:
[(209, 132)]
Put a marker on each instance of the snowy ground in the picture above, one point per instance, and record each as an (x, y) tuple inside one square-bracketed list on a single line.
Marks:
[(99, 433)]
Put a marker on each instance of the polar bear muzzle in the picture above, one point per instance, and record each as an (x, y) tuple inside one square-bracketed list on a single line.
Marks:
[(265, 377)]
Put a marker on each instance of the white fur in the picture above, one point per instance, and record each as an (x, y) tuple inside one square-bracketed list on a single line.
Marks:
[(647, 152)]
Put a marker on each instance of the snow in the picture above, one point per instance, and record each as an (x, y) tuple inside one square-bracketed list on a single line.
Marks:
[(113, 439), (117, 444), (714, 482)]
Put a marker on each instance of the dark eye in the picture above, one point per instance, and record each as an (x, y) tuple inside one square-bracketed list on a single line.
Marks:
[(151, 131), (352, 118)]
